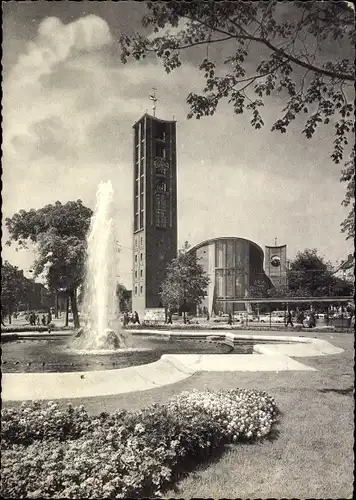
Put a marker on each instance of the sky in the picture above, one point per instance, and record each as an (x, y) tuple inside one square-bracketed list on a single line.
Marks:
[(68, 109)]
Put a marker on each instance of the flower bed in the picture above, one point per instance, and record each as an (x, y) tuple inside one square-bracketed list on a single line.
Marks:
[(52, 453)]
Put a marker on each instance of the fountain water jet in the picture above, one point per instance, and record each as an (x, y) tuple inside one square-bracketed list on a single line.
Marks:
[(100, 304)]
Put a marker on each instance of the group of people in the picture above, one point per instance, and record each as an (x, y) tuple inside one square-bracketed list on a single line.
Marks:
[(35, 319), (300, 318), (131, 318)]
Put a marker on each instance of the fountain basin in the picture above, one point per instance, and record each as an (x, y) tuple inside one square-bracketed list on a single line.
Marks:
[(58, 355)]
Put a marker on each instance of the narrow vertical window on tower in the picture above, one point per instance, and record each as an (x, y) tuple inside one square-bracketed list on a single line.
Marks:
[(136, 207), (160, 131), (160, 150), (141, 219), (161, 201), (161, 219)]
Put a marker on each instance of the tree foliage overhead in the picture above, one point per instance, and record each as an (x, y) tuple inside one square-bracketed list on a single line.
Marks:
[(186, 281), (291, 57), (59, 233), (348, 176), (302, 52)]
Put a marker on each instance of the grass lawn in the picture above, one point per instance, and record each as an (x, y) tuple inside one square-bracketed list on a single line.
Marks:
[(313, 453)]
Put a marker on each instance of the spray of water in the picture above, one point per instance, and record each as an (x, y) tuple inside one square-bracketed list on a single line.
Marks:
[(100, 304)]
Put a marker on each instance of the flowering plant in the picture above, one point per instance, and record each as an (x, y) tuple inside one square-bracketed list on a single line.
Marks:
[(53, 453)]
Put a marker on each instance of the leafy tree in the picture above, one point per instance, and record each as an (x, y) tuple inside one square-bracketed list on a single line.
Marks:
[(310, 275), (253, 51), (14, 287), (265, 289), (123, 297), (348, 175), (260, 289), (186, 282), (59, 233)]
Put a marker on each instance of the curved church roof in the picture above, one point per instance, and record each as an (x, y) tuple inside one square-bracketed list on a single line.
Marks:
[(211, 240)]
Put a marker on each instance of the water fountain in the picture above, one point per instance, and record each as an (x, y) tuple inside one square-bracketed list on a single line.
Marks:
[(101, 343), (100, 304)]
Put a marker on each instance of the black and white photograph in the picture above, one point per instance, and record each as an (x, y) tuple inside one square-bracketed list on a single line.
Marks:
[(178, 256)]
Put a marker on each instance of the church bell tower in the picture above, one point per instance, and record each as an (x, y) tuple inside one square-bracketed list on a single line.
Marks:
[(154, 208)]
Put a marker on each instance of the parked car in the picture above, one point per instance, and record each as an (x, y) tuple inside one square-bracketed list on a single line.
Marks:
[(263, 318), (278, 317), (243, 316), (275, 317)]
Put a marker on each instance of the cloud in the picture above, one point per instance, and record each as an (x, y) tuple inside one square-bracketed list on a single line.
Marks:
[(68, 111), (56, 42), (33, 113)]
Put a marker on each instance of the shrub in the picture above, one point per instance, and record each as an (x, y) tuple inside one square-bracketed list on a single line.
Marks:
[(52, 453)]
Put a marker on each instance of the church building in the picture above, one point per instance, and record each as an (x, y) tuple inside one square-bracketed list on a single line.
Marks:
[(154, 208)]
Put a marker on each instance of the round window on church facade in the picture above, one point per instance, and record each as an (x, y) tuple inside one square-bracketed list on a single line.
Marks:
[(275, 261)]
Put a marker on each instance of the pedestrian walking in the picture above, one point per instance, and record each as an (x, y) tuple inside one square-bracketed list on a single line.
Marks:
[(43, 320), (49, 317), (126, 318), (301, 318), (312, 320), (169, 317), (289, 319), (32, 319), (229, 322), (136, 318)]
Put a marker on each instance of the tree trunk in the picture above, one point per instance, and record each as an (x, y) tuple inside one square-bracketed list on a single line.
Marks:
[(67, 311), (56, 305), (73, 301)]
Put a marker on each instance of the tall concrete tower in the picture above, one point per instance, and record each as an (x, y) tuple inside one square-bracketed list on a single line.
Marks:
[(154, 208)]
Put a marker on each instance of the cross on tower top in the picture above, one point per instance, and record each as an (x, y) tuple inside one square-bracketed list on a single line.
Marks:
[(154, 99)]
